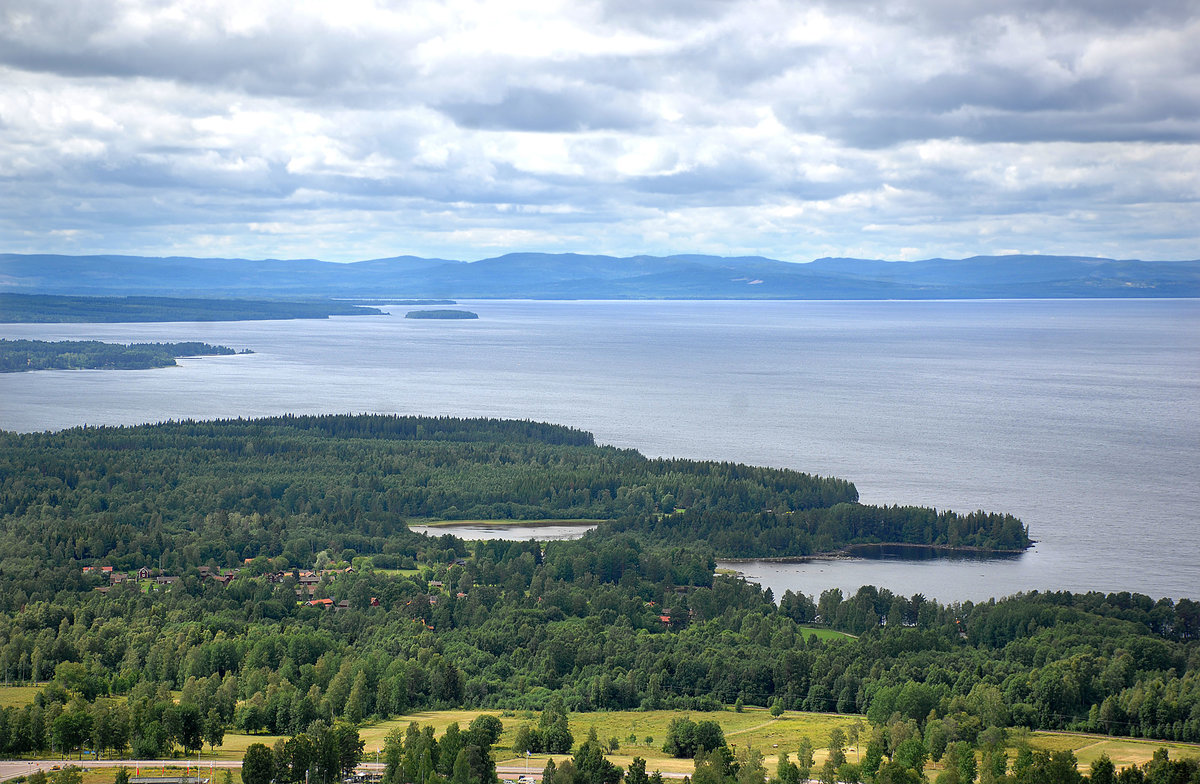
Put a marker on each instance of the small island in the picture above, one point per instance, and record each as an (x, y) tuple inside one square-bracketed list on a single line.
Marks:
[(23, 355), (441, 314), (408, 302)]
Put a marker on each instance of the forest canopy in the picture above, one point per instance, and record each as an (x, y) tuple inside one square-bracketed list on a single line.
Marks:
[(131, 494), (263, 570)]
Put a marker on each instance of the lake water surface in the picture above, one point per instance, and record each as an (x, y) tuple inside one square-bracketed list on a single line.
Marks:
[(515, 532), (1080, 417)]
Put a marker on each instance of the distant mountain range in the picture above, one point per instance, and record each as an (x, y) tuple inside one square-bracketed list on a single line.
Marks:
[(575, 276)]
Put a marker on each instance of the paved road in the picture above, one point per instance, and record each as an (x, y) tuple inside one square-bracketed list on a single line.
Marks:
[(11, 769)]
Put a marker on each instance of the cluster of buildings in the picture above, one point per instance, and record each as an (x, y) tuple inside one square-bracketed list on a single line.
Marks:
[(141, 575), (307, 581)]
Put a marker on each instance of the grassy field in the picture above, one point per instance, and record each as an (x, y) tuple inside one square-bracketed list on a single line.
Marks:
[(1122, 751), (398, 572), (821, 633), (17, 696), (235, 745), (754, 726)]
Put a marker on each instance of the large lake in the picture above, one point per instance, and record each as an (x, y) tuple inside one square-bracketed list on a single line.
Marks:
[(1081, 417)]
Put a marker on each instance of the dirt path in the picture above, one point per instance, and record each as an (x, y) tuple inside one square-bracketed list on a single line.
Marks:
[(751, 729)]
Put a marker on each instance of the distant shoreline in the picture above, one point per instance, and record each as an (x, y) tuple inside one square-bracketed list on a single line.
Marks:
[(846, 553), (64, 309)]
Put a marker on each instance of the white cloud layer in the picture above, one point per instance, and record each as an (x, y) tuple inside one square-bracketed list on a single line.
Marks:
[(459, 129)]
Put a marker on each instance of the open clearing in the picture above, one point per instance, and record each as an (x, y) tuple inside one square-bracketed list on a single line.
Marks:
[(821, 633), (753, 726), (17, 696), (1122, 751)]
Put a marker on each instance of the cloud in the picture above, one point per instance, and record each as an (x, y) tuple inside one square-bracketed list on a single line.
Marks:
[(565, 110), (369, 128)]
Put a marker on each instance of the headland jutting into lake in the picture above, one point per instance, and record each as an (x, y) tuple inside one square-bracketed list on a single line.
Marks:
[(244, 553)]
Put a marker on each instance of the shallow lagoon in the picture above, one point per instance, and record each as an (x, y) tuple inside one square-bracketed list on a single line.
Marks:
[(941, 575), (513, 532)]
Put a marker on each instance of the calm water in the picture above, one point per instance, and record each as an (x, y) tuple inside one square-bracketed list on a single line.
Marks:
[(1081, 417), (516, 533)]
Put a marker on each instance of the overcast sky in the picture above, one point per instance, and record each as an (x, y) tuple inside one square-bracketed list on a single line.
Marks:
[(348, 129)]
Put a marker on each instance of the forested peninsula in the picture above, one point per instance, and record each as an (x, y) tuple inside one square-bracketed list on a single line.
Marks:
[(23, 355), (46, 309), (361, 477), (259, 575)]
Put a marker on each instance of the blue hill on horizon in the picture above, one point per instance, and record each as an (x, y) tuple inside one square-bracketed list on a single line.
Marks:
[(584, 276)]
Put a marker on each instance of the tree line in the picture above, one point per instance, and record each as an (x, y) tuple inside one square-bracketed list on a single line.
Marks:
[(23, 355)]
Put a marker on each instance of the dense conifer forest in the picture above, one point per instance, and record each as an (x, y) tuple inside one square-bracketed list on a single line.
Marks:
[(264, 570)]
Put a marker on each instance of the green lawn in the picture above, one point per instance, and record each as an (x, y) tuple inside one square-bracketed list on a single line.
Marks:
[(398, 572)]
